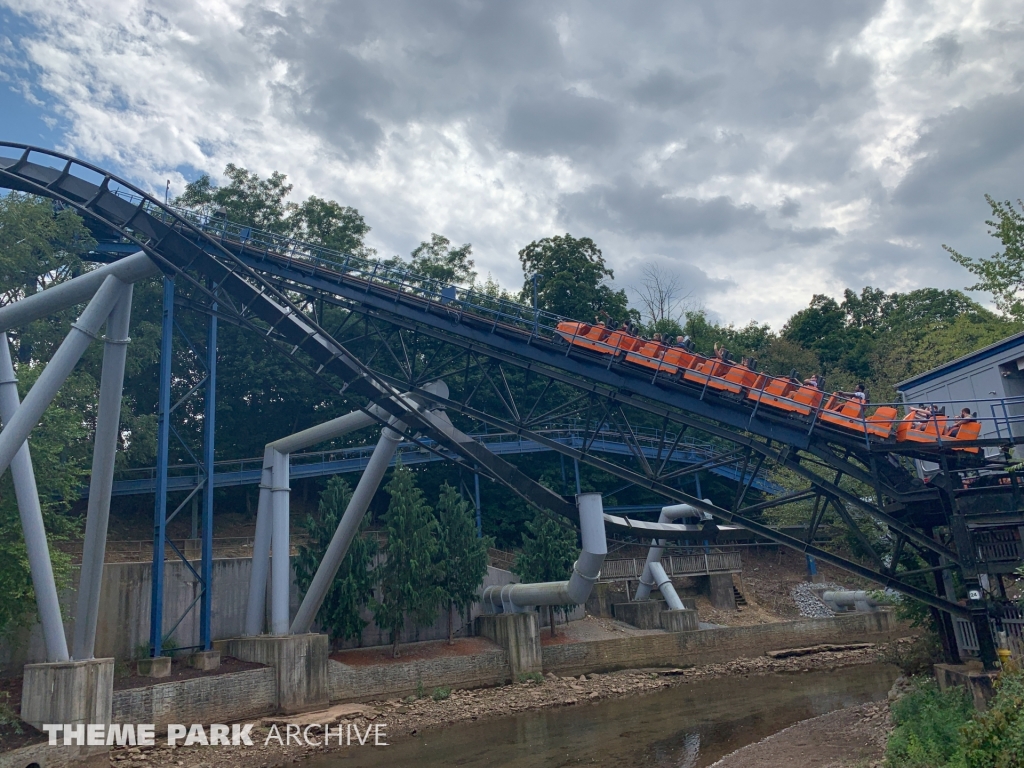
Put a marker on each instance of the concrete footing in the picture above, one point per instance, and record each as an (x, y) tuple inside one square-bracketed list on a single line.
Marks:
[(679, 621), (519, 635), (156, 666), (720, 591), (976, 680), (206, 661), (299, 660), (645, 614), (69, 692)]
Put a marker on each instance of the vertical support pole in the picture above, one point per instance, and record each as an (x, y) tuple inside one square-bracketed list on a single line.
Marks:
[(565, 483), (108, 421), (209, 428), (476, 501), (156, 616), (576, 469), (256, 610), (280, 565), (696, 479), (31, 514), (812, 568)]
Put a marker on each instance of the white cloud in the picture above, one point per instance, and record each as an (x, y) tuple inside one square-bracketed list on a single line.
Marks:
[(490, 123)]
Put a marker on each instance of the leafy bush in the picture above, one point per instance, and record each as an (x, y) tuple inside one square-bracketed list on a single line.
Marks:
[(928, 723), (530, 677), (995, 738), (440, 694)]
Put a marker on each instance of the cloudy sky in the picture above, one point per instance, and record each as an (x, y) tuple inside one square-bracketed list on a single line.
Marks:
[(762, 151)]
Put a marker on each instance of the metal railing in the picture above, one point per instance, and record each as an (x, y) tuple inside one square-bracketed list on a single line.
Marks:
[(700, 564)]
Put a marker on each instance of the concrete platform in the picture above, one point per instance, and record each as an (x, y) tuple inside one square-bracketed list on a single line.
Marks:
[(645, 614), (975, 679), (156, 666), (519, 635), (300, 662), (73, 693), (679, 621), (205, 661)]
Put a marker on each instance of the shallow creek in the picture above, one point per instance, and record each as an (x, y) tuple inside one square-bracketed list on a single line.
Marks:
[(686, 726)]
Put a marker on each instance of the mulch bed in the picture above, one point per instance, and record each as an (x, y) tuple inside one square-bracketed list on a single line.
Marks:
[(431, 649), (13, 732)]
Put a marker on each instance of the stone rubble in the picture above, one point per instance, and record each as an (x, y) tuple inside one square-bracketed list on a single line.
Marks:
[(406, 718), (806, 597)]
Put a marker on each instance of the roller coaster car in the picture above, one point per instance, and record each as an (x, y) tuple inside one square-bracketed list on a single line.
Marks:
[(849, 414), (969, 430), (708, 372), (787, 395), (596, 337), (911, 429), (650, 355), (880, 422)]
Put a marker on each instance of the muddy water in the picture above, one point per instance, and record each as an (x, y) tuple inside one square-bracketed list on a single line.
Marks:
[(687, 726)]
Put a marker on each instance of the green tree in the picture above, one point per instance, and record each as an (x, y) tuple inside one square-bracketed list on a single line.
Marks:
[(353, 585), (331, 225), (246, 199), (461, 555), (38, 249), (572, 279), (409, 574), (1002, 274), (548, 553), (438, 260)]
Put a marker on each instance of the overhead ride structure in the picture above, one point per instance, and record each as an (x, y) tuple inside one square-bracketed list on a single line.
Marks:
[(401, 331)]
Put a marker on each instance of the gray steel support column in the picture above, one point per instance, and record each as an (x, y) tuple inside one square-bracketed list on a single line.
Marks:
[(83, 331), (130, 269), (255, 613), (280, 564), (31, 514), (668, 514), (348, 527), (108, 421)]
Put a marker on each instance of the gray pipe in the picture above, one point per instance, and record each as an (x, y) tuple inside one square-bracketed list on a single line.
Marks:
[(280, 564), (56, 371), (108, 420), (31, 514), (350, 422), (348, 527), (667, 589), (850, 600), (668, 514), (130, 269), (256, 608), (516, 598)]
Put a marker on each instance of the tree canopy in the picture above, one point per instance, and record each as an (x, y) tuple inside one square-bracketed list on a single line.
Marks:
[(572, 277)]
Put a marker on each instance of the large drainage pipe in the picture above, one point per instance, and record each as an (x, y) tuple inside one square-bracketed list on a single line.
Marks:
[(841, 601), (647, 580), (668, 591), (517, 598)]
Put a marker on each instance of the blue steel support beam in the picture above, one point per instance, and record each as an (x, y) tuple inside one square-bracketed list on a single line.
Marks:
[(156, 617), (476, 500), (209, 428)]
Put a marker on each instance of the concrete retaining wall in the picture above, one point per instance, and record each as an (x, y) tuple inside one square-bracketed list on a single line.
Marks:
[(714, 645), (123, 624), (212, 699), (390, 680)]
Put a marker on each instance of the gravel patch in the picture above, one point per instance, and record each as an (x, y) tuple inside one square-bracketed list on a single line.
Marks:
[(808, 600)]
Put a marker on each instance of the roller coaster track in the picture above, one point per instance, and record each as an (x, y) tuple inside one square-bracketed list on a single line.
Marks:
[(236, 472), (421, 330)]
